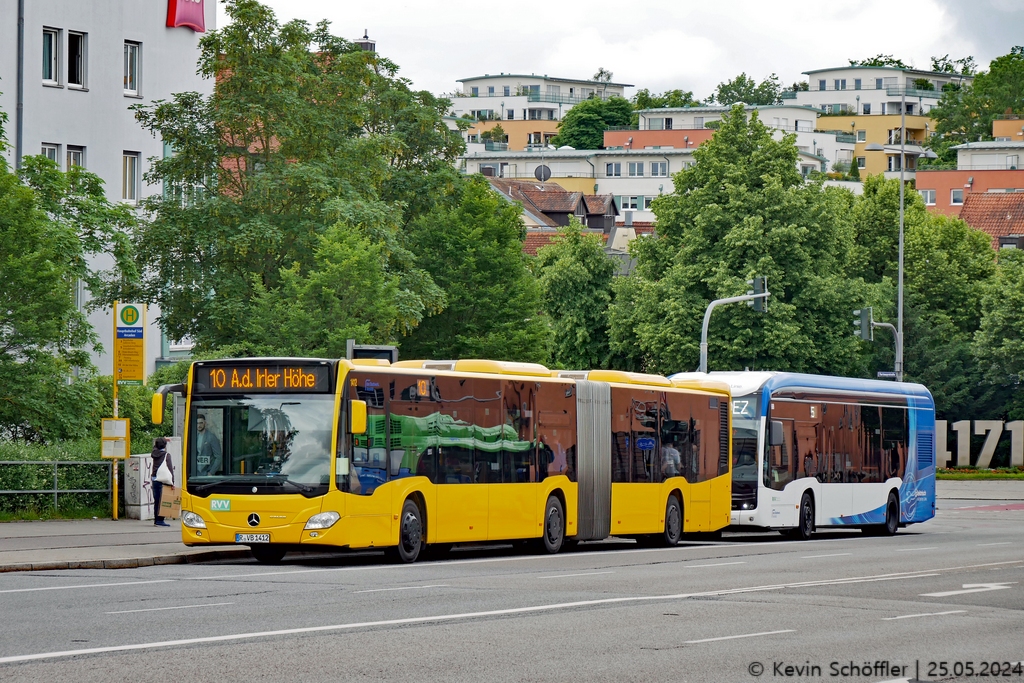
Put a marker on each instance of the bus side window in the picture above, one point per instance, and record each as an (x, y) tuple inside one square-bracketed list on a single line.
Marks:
[(621, 434), (556, 429), (675, 433), (518, 431)]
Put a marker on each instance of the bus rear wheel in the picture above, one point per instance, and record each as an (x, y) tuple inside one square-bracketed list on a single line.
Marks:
[(410, 534), (267, 554), (673, 523), (554, 525), (892, 519)]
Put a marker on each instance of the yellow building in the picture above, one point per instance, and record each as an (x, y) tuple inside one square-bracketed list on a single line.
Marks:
[(520, 133), (884, 130)]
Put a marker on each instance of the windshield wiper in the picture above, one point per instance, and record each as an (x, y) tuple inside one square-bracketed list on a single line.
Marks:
[(226, 480), (301, 487)]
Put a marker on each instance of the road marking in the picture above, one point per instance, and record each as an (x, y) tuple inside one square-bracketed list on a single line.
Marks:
[(469, 615), (745, 635), (88, 585), (717, 564), (401, 588), (160, 609), (1003, 543), (928, 614), (565, 576), (972, 588), (811, 557), (908, 550)]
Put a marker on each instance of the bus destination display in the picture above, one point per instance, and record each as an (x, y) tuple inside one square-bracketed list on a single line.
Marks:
[(263, 379)]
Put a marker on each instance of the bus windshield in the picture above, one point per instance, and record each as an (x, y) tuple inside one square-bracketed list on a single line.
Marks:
[(263, 443), (746, 421)]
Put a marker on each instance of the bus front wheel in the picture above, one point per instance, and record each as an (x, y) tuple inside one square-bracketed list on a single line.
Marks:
[(805, 525), (410, 534), (554, 525)]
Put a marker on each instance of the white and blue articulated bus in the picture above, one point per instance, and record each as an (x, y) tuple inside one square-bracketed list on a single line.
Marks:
[(811, 451)]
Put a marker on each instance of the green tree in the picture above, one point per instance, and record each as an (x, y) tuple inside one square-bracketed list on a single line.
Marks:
[(949, 268), (742, 210), (474, 251), (965, 66), (584, 125), (645, 99), (965, 114), (747, 90), (876, 217), (998, 344), (880, 60), (43, 336), (576, 277), (293, 141)]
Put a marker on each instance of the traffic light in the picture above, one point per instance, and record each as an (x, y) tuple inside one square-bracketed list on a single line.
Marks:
[(863, 323), (759, 285)]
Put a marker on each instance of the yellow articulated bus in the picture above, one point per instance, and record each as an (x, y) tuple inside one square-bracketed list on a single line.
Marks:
[(296, 453)]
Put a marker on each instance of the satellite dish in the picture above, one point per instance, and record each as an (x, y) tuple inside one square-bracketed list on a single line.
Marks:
[(542, 173)]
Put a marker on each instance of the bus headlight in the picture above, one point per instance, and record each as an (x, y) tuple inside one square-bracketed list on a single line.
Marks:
[(325, 520), (192, 520)]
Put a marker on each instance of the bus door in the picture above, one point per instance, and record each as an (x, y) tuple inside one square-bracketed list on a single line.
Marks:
[(513, 492), (778, 471), (637, 506), (836, 498), (369, 506)]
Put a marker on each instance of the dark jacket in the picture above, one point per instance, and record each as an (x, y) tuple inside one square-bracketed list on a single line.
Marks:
[(159, 455)]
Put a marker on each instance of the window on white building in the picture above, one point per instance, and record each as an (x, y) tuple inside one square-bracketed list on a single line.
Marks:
[(862, 136), (51, 152), (1012, 161), (647, 203), (856, 84), (698, 121), (659, 169), (490, 91), (630, 202), (865, 108), (131, 67), (51, 56), (821, 84), (76, 59), (75, 157), (130, 177), (510, 114), (506, 90), (956, 197), (656, 124), (840, 84), (636, 169), (474, 91), (613, 170), (928, 196)]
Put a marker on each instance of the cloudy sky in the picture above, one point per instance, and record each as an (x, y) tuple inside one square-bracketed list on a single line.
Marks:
[(661, 44)]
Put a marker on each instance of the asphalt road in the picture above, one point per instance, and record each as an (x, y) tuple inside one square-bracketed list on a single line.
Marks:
[(753, 603)]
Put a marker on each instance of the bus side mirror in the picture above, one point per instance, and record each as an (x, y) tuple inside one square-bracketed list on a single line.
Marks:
[(157, 409), (357, 417), (778, 436)]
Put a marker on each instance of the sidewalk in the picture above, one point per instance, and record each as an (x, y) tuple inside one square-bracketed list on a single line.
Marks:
[(106, 544), (98, 544)]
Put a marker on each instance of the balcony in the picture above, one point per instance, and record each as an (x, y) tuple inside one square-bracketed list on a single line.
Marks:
[(490, 146), (896, 91), (562, 99), (788, 95)]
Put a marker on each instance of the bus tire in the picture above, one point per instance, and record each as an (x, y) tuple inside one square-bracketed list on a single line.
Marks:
[(892, 517), (805, 524), (410, 534), (673, 523), (554, 525), (268, 554)]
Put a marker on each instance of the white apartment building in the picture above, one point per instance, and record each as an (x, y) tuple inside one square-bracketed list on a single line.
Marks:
[(526, 97), (873, 89), (997, 155), (819, 150), (67, 79)]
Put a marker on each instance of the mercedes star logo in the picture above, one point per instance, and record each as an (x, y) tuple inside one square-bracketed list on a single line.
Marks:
[(254, 519)]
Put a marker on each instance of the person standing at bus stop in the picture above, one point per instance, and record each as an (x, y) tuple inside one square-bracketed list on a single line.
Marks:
[(160, 456)]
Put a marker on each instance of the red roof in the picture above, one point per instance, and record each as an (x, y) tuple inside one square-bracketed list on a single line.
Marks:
[(997, 213), (548, 200), (535, 239)]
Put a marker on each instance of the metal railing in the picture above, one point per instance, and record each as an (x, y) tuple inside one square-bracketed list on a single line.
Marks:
[(552, 98), (492, 146), (56, 490), (987, 167)]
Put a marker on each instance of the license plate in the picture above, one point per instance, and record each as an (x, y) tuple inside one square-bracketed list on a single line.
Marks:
[(252, 538)]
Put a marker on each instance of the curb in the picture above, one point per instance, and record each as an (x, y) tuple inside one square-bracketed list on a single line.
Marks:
[(128, 563)]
